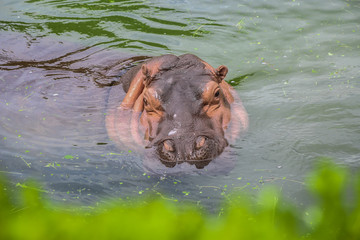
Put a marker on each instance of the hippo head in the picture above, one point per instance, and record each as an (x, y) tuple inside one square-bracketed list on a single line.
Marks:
[(183, 107)]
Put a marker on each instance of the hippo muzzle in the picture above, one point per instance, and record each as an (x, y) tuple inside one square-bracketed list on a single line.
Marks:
[(199, 150), (193, 140), (180, 110)]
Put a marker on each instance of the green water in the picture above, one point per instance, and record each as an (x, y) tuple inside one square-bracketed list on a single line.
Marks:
[(295, 64)]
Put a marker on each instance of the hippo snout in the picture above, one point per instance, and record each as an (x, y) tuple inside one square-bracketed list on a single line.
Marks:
[(199, 150)]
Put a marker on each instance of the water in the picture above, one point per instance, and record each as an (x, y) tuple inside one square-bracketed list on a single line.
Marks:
[(295, 65)]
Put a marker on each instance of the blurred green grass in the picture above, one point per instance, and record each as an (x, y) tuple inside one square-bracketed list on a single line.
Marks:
[(333, 214)]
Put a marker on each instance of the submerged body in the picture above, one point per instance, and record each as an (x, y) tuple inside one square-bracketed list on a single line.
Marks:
[(179, 108), (166, 103)]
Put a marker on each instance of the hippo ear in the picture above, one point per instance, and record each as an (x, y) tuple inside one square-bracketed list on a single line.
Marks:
[(221, 72), (148, 75), (225, 87), (141, 76), (135, 89)]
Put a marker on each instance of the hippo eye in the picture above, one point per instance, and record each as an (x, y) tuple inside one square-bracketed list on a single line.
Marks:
[(217, 93), (145, 102)]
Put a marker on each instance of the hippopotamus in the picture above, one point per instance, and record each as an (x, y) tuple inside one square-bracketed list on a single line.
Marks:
[(179, 109), (175, 111)]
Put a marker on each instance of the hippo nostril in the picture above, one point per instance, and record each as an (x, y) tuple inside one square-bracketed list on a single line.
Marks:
[(167, 153), (169, 146), (200, 142)]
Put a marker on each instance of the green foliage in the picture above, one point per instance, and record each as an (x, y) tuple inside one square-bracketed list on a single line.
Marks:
[(236, 81), (334, 214)]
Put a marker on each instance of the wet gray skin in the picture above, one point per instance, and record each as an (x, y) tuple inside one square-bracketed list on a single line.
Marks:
[(186, 134)]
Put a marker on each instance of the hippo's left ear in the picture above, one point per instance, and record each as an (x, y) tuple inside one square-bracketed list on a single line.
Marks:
[(221, 72)]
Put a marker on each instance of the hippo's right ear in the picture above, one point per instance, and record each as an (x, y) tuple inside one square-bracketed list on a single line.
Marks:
[(135, 90), (139, 80), (148, 74), (142, 76)]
